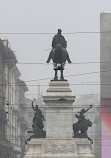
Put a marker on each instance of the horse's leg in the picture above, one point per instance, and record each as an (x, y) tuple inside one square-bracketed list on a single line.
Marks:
[(62, 76), (85, 134), (56, 76), (90, 140), (75, 132)]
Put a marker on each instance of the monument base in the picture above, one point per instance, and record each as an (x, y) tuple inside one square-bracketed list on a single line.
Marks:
[(59, 148)]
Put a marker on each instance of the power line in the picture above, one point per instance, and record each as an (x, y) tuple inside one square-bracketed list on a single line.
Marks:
[(73, 106), (15, 106), (76, 84), (87, 73), (75, 138), (66, 63), (52, 33), (60, 113), (83, 84), (36, 63)]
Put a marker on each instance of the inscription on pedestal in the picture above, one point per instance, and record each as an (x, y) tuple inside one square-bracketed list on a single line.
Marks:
[(60, 148), (57, 149)]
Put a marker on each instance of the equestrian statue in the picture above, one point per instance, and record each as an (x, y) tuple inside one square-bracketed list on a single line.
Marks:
[(59, 54), (80, 128)]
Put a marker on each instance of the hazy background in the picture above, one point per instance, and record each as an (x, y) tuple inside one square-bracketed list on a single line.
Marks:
[(46, 16)]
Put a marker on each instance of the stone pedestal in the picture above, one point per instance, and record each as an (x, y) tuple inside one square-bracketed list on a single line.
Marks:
[(59, 148), (59, 110), (59, 141)]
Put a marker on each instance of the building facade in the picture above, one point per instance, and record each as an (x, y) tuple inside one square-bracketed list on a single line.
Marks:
[(6, 148), (12, 105), (105, 78), (24, 126)]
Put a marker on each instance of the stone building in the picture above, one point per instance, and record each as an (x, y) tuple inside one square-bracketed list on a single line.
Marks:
[(22, 88), (12, 105), (5, 145), (29, 114), (105, 81)]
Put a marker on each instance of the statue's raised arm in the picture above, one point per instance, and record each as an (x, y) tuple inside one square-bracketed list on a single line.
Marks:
[(81, 115), (88, 108), (33, 106)]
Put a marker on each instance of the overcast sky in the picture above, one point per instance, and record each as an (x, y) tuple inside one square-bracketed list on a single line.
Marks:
[(46, 16)]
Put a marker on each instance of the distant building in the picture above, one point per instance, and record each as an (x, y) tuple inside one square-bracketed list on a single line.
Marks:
[(30, 112), (105, 78), (22, 88), (94, 115)]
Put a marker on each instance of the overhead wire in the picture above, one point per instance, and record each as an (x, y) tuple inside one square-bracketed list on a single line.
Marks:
[(87, 73), (73, 63), (52, 33)]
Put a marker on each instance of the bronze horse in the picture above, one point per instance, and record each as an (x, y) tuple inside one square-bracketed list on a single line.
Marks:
[(80, 129), (59, 55)]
